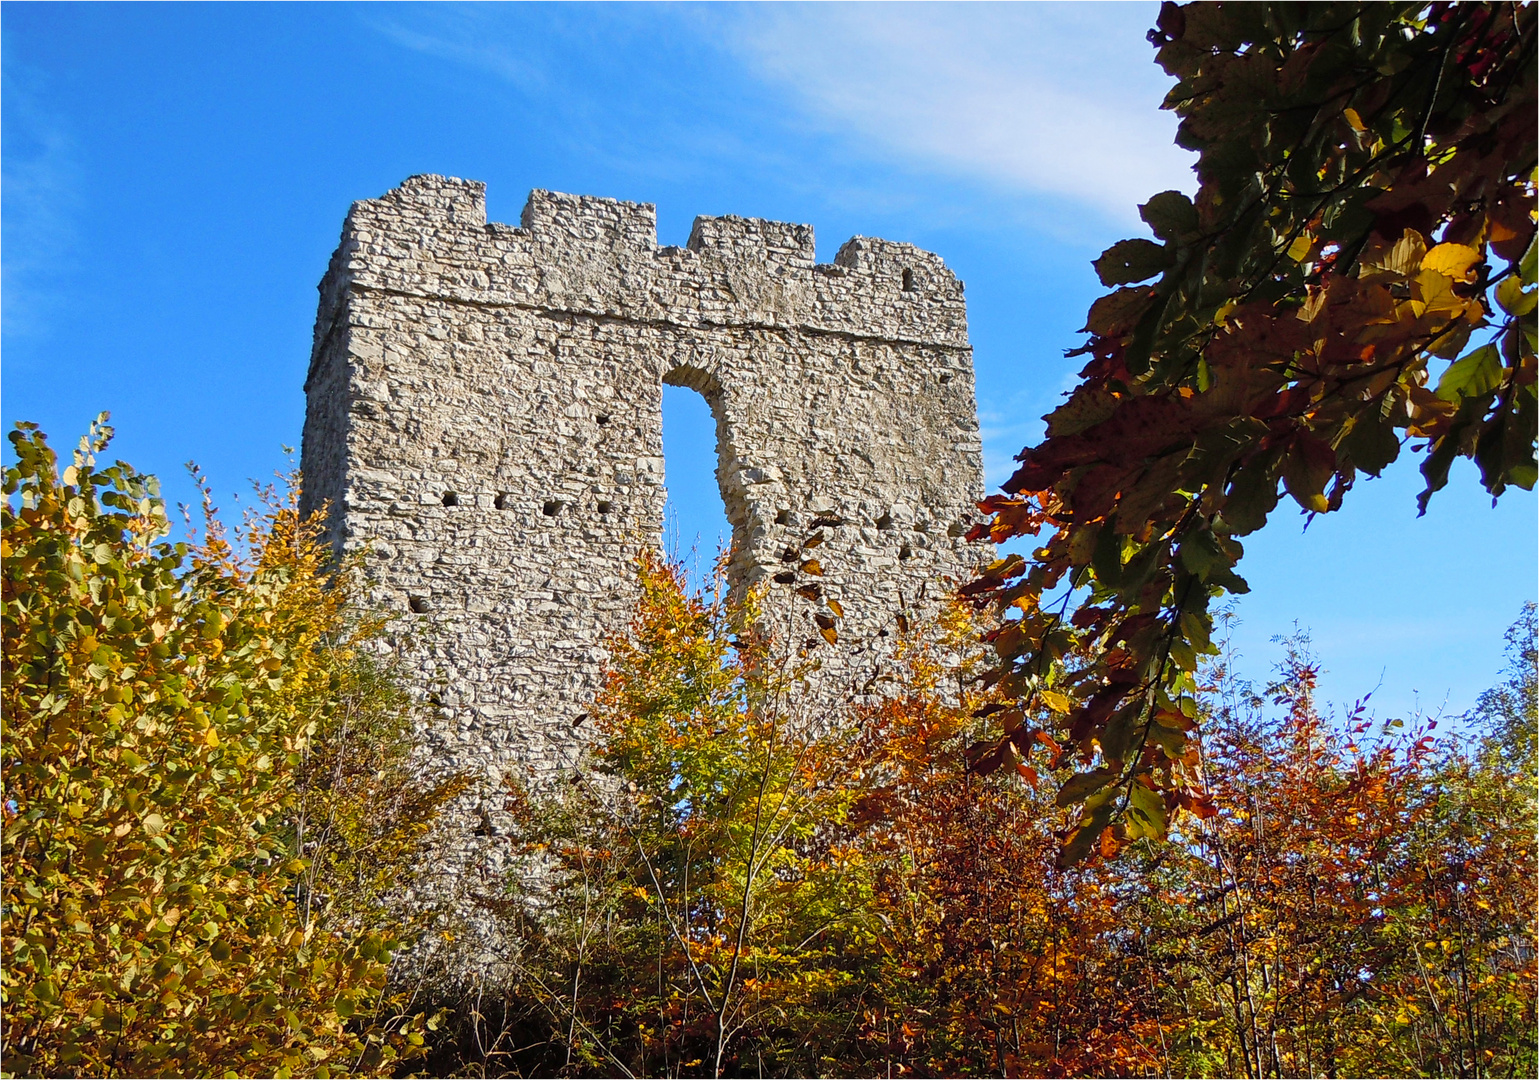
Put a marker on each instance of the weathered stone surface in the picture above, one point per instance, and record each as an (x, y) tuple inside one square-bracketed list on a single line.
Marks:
[(484, 418)]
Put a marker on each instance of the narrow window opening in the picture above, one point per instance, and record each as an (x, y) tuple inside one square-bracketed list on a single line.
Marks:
[(419, 604), (694, 523), (552, 507), (908, 281), (451, 499)]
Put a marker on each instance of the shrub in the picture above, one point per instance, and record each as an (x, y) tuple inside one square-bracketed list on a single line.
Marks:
[(171, 713)]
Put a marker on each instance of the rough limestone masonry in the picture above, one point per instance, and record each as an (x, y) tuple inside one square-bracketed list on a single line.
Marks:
[(484, 421)]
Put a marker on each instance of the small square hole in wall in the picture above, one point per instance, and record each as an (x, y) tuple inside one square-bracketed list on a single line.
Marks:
[(451, 498), (603, 419), (419, 604), (552, 507), (783, 517), (905, 552), (605, 507), (884, 522), (503, 501)]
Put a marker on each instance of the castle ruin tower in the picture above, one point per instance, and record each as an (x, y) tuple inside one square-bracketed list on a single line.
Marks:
[(484, 421)]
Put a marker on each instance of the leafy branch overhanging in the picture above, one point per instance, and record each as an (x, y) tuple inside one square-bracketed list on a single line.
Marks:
[(1366, 204)]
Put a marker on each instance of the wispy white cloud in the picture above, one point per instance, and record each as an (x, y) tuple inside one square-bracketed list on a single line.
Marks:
[(469, 37), (1059, 99), (40, 179)]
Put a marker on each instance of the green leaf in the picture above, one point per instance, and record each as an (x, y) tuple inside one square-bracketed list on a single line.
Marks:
[(1307, 469), (1114, 738), (1199, 553), (1251, 497), (1081, 786), (1083, 839), (1512, 297), (1478, 373), (1146, 813), (1171, 215), (1183, 654), (1106, 556), (1371, 444), (1128, 261)]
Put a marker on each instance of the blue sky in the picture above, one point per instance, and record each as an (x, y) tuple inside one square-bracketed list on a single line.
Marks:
[(175, 178)]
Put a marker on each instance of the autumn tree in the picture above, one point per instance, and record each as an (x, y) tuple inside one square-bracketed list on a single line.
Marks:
[(1365, 208), (994, 961), (203, 784), (686, 902), (1508, 713), (1360, 904)]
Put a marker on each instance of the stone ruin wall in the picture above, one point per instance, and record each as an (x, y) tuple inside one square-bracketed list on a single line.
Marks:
[(484, 419)]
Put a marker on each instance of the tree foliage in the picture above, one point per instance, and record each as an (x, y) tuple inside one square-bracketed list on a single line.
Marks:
[(173, 714), (688, 903), (724, 888), (1366, 205), (1358, 905), (1509, 712)]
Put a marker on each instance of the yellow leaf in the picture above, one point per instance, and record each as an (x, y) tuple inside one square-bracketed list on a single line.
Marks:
[(1354, 121), (1298, 251), (1455, 261), (830, 634), (1433, 292), (834, 606), (211, 737), (1054, 700)]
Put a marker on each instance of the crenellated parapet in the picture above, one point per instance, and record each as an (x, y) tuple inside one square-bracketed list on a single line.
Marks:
[(600, 257)]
